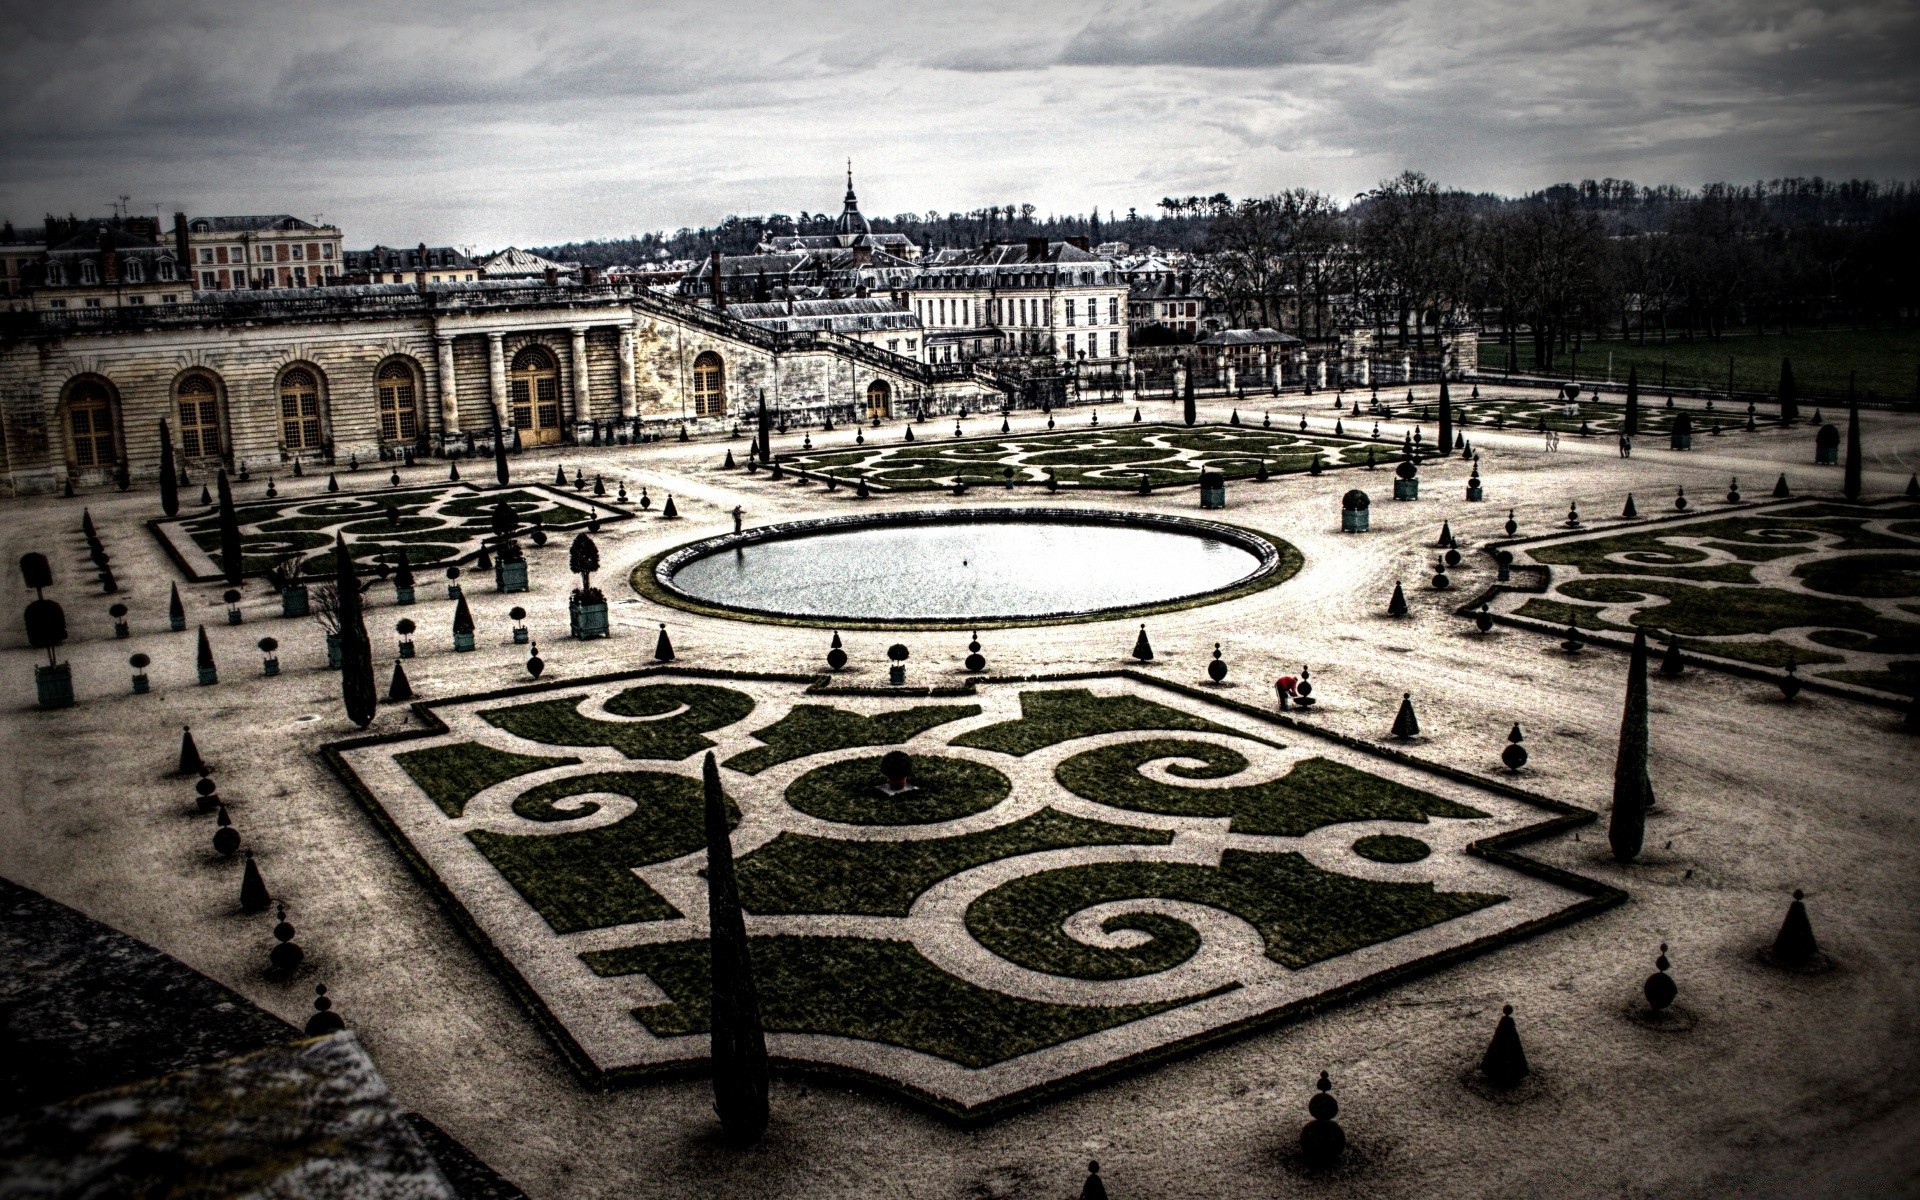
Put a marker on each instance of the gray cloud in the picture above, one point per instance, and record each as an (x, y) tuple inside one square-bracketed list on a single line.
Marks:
[(484, 123)]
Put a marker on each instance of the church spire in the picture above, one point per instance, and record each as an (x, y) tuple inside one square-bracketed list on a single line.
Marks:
[(852, 204)]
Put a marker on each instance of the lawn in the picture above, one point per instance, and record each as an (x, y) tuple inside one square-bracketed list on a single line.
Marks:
[(1885, 361)]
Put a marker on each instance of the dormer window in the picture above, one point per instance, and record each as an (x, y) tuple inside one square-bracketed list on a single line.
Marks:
[(88, 272), (56, 275), (202, 227), (136, 271), (166, 270)]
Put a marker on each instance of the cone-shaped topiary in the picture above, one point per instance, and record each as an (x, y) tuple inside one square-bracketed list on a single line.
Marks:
[(1780, 491), (1504, 1064), (333, 482), (1093, 1188), (728, 464), (739, 1043), (462, 617), (1630, 510), (1671, 664), (169, 475), (1789, 394), (1405, 724), (190, 760), (1397, 606), (1794, 945), (1850, 484), (230, 557), (253, 889), (662, 646), (668, 512), (204, 655), (1632, 789), (1142, 649), (357, 688), (399, 688), (1630, 422)]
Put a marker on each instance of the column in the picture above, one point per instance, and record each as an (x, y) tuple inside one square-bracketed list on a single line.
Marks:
[(449, 389), (497, 379), (629, 402), (582, 406)]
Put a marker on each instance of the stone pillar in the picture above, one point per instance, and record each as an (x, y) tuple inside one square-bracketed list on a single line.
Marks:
[(1322, 382), (629, 402), (497, 379), (582, 404), (1366, 372), (1233, 376), (1406, 368), (449, 388)]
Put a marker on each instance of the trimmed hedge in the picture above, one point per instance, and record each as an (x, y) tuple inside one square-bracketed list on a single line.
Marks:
[(453, 775), (818, 728), (560, 722), (1048, 718), (945, 789)]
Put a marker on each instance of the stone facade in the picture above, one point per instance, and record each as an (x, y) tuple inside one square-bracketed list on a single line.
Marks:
[(619, 355)]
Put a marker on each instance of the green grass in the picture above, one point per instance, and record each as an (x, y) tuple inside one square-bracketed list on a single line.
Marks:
[(945, 789), (1391, 848), (1875, 576), (1692, 611), (876, 991), (1768, 653), (817, 728), (1901, 677), (453, 775), (1304, 914), (1315, 792), (584, 879), (796, 873), (1062, 714), (1885, 360), (560, 723)]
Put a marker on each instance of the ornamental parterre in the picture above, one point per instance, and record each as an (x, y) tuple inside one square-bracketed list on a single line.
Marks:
[(1076, 876)]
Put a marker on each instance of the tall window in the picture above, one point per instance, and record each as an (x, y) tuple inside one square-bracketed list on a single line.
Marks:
[(399, 421), (199, 406), (1069, 312), (90, 418), (709, 386), (300, 410), (533, 389)]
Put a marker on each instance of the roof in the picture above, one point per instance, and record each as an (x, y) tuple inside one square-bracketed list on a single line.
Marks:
[(96, 236), (853, 306), (991, 262), (515, 261), (1249, 337), (250, 224), (391, 258)]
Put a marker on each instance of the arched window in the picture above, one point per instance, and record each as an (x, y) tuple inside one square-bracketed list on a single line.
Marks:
[(879, 399), (198, 403), (533, 393), (90, 422), (300, 410), (709, 386), (399, 415)]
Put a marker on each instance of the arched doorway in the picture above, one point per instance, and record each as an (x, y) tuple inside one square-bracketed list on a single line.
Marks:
[(399, 389), (93, 441), (709, 386), (300, 430), (533, 393), (197, 401), (879, 399)]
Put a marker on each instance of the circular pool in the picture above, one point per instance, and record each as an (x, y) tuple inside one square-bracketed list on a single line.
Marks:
[(961, 566)]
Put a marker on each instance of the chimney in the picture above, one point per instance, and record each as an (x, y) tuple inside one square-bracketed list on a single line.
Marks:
[(719, 289), (1036, 249), (109, 267), (1080, 242), (420, 282), (180, 241), (553, 276), (863, 256), (988, 244)]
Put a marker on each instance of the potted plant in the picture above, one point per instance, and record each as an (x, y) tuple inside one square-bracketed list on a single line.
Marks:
[(232, 597), (403, 580), (405, 627), (462, 626), (326, 610), (46, 628), (519, 616), (120, 627), (587, 607), (453, 583), (284, 578), (140, 682), (271, 666), (510, 562)]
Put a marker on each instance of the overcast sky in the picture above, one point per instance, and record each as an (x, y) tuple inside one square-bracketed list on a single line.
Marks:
[(488, 122)]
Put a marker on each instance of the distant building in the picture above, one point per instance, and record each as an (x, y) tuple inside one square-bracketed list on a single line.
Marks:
[(875, 320), (1041, 300), (515, 263), (826, 274), (103, 263), (275, 251), (1163, 303), (19, 255), (850, 229), (420, 264)]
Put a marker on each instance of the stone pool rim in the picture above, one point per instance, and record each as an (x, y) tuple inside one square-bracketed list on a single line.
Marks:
[(1278, 560)]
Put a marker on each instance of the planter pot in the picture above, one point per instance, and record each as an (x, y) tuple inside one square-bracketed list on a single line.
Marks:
[(519, 635), (1213, 496), (897, 674), (333, 652), (406, 649), (1406, 489), (1823, 457), (1354, 520), (270, 667), (294, 601), (510, 576), (1475, 493), (588, 620), (453, 591), (402, 596), (178, 624), (233, 616), (141, 685), (209, 676), (54, 685), (1682, 441), (122, 630), (462, 642)]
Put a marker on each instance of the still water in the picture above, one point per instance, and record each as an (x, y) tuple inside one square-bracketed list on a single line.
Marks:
[(966, 570)]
